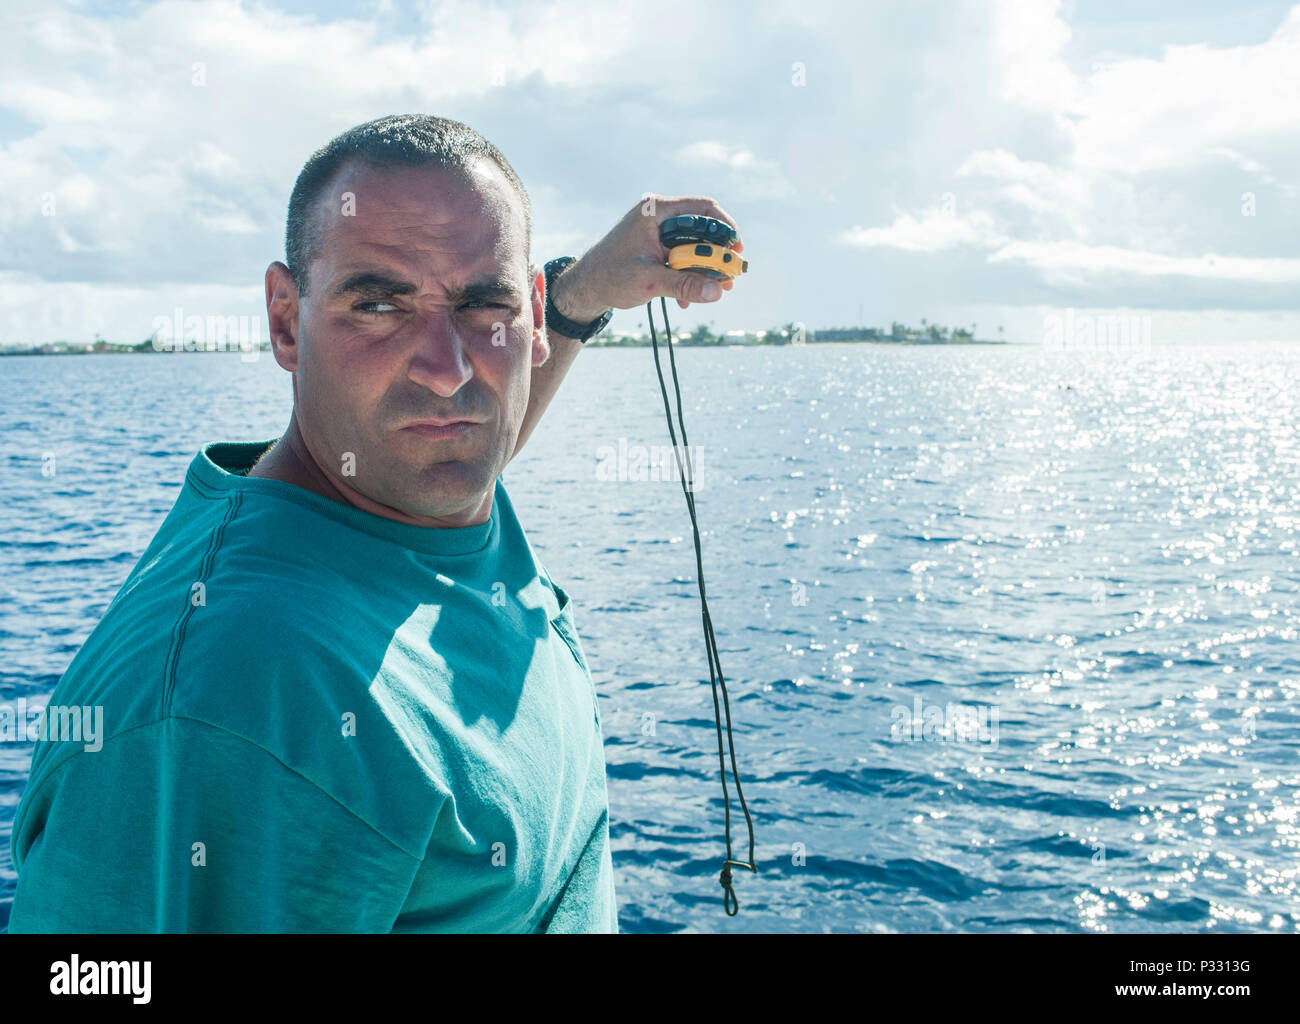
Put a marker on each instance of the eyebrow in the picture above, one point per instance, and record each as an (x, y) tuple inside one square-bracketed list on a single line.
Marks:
[(487, 288), (376, 284), (370, 283)]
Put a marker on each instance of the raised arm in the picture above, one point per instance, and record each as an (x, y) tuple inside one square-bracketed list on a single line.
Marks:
[(623, 270)]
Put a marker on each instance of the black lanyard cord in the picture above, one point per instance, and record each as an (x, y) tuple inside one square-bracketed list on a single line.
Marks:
[(729, 900)]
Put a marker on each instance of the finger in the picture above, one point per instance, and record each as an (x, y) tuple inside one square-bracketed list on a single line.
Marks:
[(686, 286)]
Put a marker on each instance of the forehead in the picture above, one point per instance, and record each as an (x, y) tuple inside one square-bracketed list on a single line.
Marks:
[(417, 216)]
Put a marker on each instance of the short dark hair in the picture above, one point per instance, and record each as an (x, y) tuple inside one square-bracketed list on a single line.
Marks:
[(411, 140)]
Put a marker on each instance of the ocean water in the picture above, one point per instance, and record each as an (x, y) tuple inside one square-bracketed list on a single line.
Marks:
[(1010, 636)]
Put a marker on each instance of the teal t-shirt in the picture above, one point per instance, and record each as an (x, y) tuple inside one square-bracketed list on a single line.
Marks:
[(318, 719)]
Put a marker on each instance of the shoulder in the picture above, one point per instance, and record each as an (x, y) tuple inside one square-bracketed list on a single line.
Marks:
[(299, 682), (126, 822)]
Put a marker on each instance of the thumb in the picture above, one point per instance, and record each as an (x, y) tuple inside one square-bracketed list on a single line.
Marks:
[(686, 286)]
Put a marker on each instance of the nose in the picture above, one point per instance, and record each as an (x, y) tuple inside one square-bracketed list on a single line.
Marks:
[(441, 362)]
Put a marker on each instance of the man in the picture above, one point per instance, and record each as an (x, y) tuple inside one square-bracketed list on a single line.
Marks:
[(340, 692)]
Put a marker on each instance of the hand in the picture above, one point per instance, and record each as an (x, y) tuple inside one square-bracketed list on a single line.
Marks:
[(626, 267)]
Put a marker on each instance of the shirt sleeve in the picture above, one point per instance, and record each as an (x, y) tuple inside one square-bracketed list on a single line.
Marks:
[(180, 826)]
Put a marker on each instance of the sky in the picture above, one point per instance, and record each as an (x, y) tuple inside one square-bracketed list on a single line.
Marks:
[(994, 163)]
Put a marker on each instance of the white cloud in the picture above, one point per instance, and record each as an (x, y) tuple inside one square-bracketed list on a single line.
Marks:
[(84, 309), (1027, 39), (1101, 187), (1073, 256), (231, 222), (1255, 168), (934, 230), (1127, 192), (750, 176), (1141, 114)]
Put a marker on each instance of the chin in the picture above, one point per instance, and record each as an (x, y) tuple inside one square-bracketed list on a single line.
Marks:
[(454, 479)]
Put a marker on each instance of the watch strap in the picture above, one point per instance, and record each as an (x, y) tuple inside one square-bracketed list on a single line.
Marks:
[(557, 321)]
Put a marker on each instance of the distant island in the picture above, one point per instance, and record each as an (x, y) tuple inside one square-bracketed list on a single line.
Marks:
[(789, 334), (798, 334)]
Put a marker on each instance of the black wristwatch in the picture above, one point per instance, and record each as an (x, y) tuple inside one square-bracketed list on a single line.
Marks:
[(556, 320)]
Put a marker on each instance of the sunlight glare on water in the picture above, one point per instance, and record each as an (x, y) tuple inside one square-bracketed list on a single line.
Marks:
[(1009, 636)]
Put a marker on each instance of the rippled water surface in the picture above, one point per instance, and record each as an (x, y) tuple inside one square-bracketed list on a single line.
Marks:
[(1010, 636)]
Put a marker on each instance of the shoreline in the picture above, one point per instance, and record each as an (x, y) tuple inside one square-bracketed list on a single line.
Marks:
[(127, 350)]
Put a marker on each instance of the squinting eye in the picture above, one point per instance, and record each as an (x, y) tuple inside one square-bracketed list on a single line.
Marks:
[(361, 307)]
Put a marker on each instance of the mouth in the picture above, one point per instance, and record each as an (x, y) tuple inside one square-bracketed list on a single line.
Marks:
[(441, 428)]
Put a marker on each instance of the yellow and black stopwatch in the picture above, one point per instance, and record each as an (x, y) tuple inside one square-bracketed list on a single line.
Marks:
[(703, 245)]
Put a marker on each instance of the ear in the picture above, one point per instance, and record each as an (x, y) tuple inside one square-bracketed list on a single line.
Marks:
[(540, 344), (282, 314)]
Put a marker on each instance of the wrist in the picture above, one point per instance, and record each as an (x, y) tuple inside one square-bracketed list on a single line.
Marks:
[(572, 298)]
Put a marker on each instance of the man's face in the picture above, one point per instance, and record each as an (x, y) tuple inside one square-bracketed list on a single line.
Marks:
[(419, 307)]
